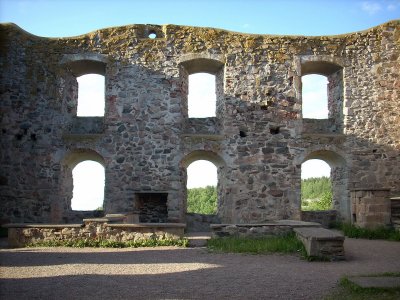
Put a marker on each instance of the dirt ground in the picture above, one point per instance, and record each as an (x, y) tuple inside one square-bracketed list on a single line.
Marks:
[(176, 273)]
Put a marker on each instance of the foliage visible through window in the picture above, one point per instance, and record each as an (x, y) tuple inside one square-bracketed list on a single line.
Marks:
[(202, 200)]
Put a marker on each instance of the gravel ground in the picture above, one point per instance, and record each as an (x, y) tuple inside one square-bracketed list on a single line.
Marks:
[(176, 273)]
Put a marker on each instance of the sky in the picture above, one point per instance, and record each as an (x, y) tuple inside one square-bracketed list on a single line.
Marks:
[(62, 18)]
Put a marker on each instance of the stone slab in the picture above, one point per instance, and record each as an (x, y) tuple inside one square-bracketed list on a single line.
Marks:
[(29, 225), (291, 223), (319, 233), (148, 225), (376, 282)]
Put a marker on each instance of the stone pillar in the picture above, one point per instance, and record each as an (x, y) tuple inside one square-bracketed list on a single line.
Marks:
[(370, 207)]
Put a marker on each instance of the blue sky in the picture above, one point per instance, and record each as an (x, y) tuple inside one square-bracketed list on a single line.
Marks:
[(58, 18)]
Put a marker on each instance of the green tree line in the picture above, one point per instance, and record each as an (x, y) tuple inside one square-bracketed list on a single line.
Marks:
[(316, 194), (202, 200)]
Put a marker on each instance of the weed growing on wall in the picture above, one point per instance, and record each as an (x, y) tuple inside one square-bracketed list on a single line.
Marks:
[(100, 243)]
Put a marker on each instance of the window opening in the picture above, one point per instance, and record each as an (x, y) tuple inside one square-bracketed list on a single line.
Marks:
[(88, 192), (315, 96), (90, 95), (201, 98), (152, 35), (202, 187), (316, 185)]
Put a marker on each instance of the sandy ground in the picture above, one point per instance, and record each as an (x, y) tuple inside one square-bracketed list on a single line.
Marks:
[(176, 273)]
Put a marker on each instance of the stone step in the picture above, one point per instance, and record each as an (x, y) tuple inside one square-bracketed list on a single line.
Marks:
[(198, 239)]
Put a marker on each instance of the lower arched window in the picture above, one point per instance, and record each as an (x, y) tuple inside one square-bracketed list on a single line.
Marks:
[(88, 192)]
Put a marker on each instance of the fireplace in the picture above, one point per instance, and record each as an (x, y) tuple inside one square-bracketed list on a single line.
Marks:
[(152, 207)]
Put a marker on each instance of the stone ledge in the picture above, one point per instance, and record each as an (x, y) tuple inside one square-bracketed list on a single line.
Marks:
[(98, 220), (214, 137), (291, 223), (319, 234), (148, 225), (82, 136), (29, 225), (323, 135)]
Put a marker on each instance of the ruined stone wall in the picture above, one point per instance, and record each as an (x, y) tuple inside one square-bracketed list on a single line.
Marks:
[(145, 140)]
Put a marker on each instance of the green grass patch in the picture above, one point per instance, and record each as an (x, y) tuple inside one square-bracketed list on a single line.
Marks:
[(287, 244), (379, 233), (349, 291), (100, 243)]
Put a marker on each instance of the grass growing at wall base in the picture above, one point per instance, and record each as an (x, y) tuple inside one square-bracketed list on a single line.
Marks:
[(379, 233), (100, 243), (350, 291), (287, 244)]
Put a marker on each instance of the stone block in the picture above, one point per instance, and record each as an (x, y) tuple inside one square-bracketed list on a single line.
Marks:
[(322, 243)]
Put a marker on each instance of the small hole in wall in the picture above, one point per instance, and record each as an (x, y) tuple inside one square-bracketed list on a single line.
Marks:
[(152, 35), (242, 133), (274, 129)]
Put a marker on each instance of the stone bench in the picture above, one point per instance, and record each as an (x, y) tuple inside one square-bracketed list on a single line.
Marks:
[(321, 242)]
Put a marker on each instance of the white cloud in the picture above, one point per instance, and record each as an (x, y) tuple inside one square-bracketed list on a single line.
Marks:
[(371, 7), (392, 6)]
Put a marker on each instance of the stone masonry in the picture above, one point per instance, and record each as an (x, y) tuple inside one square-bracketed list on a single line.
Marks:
[(145, 141)]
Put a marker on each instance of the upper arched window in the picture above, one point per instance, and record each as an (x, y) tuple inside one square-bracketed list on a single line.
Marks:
[(323, 90), (204, 79), (89, 70), (201, 96), (315, 96)]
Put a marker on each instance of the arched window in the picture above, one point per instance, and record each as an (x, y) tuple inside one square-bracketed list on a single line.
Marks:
[(315, 96), (316, 186), (90, 95), (202, 86), (89, 69), (202, 187), (322, 91), (88, 191)]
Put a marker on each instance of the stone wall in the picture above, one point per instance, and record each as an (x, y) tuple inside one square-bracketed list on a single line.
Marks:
[(20, 235), (327, 218), (258, 139), (371, 207)]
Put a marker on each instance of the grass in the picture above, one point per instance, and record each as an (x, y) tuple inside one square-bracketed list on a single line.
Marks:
[(100, 243), (287, 244), (382, 233), (349, 291)]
